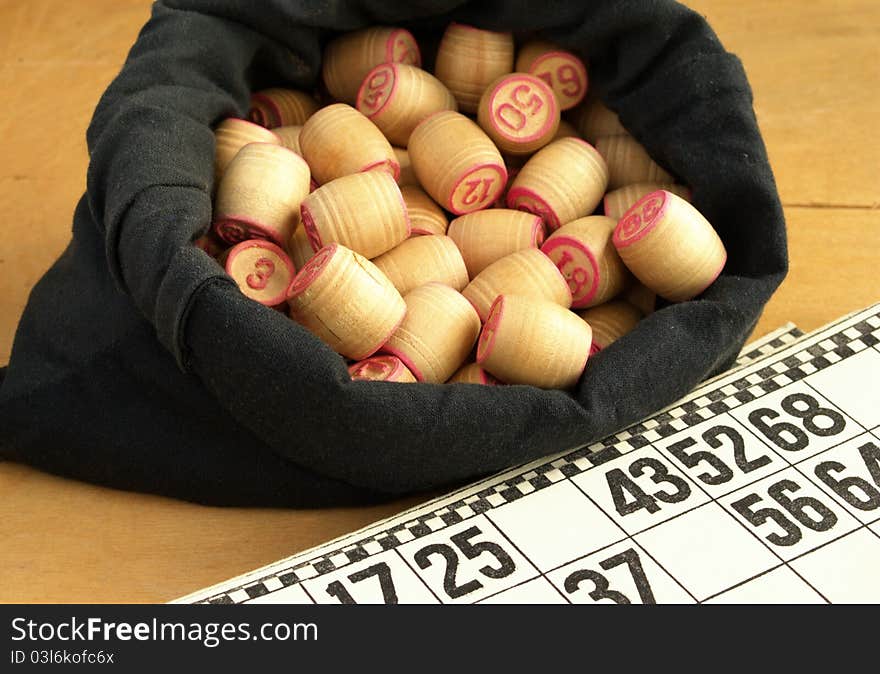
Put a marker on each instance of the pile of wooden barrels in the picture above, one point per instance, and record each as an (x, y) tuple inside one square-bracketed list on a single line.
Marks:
[(452, 226)]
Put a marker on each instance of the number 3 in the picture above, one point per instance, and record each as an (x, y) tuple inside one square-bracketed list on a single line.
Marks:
[(629, 557), (263, 270)]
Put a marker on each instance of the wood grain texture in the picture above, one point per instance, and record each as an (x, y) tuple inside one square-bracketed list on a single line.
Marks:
[(814, 69), (65, 541)]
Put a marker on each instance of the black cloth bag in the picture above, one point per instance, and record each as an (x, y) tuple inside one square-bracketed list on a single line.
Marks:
[(138, 363)]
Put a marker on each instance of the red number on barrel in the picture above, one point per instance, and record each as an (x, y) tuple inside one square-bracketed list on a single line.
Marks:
[(474, 194), (405, 52), (513, 114), (533, 102), (510, 116), (631, 225), (651, 208), (567, 74), (263, 270), (578, 276), (376, 88)]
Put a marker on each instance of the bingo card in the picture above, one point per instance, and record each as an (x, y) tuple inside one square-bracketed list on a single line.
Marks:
[(762, 485)]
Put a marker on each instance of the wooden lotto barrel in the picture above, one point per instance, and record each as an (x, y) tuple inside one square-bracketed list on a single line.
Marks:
[(669, 246), (532, 341), (338, 140), (594, 120), (425, 216), (617, 202), (344, 300), (281, 107), (261, 269), (230, 136), (469, 58), (421, 260), (610, 322), (260, 194), (582, 250), (527, 272), (362, 211), (457, 163), (562, 70), (289, 137), (562, 182), (471, 373), (396, 97), (437, 333), (486, 236), (519, 112), (381, 368), (348, 58), (629, 162)]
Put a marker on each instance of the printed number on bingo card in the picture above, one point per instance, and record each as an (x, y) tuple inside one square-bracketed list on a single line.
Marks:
[(377, 573), (856, 491), (717, 470), (499, 563), (629, 497), (788, 511), (812, 417), (597, 586)]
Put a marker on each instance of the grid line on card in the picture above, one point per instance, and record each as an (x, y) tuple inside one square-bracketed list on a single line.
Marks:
[(761, 540), (421, 578), (862, 331), (789, 465), (541, 573), (712, 499), (631, 538), (742, 582), (798, 466)]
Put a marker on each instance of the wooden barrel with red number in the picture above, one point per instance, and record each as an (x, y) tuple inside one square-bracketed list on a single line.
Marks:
[(260, 194), (670, 246), (349, 57), (562, 181), (396, 97), (469, 58), (582, 250), (457, 163), (519, 112), (381, 368), (344, 300), (563, 71), (261, 269)]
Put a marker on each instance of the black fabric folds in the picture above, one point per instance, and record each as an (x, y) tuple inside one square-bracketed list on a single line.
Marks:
[(138, 364)]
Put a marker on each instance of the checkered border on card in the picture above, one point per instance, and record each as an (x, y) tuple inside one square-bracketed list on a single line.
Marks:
[(781, 358)]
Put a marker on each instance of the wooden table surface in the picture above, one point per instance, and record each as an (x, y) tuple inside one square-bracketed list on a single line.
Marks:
[(815, 71)]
